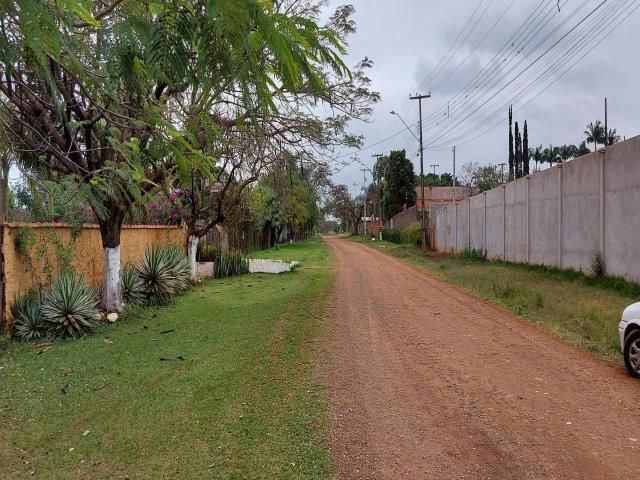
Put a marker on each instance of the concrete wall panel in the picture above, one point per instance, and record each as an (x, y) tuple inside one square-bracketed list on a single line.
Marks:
[(543, 208), (580, 211), (477, 222), (495, 223), (622, 209)]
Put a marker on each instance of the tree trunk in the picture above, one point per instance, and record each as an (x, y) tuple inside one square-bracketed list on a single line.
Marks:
[(110, 229), (192, 250)]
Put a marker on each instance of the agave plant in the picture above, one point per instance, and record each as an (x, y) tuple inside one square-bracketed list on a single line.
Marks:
[(28, 323), (70, 308), (155, 271), (179, 264), (132, 287)]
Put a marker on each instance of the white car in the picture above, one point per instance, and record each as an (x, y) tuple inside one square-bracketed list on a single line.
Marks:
[(629, 329)]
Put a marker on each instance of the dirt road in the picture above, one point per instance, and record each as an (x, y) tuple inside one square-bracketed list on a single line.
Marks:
[(430, 383)]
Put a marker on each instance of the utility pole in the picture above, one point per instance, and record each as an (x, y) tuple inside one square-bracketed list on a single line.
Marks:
[(454, 173), (379, 189), (606, 125), (434, 168), (424, 226), (502, 165), (364, 189)]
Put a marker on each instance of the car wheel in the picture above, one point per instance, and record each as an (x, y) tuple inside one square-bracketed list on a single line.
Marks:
[(632, 353)]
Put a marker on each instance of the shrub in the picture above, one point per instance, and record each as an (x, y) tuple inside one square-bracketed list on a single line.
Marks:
[(597, 265), (206, 252), (28, 323), (474, 254), (164, 272), (230, 264), (226, 264), (179, 265), (132, 287), (411, 234), (70, 308)]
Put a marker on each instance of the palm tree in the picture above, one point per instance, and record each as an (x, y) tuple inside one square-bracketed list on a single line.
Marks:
[(595, 133), (612, 137)]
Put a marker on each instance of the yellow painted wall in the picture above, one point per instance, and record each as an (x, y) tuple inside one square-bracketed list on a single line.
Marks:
[(87, 261)]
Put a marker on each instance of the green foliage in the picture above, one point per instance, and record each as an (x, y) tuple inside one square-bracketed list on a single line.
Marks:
[(164, 272), (597, 265), (23, 241), (398, 188), (410, 235), (28, 323), (474, 254), (434, 180), (70, 308), (131, 285), (226, 264)]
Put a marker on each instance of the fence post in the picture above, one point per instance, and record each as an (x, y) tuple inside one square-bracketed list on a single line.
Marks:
[(559, 215)]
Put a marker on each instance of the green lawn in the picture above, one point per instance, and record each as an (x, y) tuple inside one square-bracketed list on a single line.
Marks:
[(244, 403), (579, 309)]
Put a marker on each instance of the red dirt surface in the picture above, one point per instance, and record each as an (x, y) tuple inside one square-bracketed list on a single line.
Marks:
[(429, 382)]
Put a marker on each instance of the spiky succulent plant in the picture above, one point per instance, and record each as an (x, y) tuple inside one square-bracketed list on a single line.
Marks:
[(132, 287), (70, 308), (163, 273), (28, 323)]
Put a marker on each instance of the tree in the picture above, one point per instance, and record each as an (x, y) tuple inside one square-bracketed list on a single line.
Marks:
[(525, 151), (612, 137), (536, 155), (517, 154), (595, 134), (98, 95), (511, 154), (398, 190), (480, 178), (582, 149), (343, 206)]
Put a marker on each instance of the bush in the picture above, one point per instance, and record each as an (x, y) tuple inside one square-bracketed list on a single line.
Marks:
[(226, 264), (230, 264), (474, 254), (70, 308), (132, 287), (597, 265), (28, 323), (164, 272), (411, 234)]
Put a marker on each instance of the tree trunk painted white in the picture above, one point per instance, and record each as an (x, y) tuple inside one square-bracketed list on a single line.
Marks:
[(192, 250), (112, 296)]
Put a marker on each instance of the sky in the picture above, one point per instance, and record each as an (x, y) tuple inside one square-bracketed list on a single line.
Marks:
[(477, 56)]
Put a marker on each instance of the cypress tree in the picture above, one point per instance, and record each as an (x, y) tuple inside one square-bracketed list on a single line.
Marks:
[(510, 143), (525, 150), (518, 153)]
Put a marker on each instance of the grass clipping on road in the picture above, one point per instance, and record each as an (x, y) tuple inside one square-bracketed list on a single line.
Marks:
[(244, 402), (582, 310)]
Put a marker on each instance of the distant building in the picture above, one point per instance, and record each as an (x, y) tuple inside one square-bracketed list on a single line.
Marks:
[(440, 195)]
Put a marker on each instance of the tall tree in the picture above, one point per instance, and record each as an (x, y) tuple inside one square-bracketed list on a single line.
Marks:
[(97, 94), (399, 189), (518, 153), (525, 151), (595, 133), (511, 154)]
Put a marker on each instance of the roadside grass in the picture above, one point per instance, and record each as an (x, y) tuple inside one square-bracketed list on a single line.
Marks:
[(244, 403), (583, 310)]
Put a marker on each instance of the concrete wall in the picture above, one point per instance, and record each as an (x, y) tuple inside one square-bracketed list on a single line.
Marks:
[(41, 262), (560, 216)]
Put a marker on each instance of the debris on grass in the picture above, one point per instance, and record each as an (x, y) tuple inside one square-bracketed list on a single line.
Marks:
[(172, 359)]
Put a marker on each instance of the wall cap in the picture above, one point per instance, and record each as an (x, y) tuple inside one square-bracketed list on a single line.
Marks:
[(84, 225)]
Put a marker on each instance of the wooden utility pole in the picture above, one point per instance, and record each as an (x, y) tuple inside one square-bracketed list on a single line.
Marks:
[(424, 225), (364, 189)]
